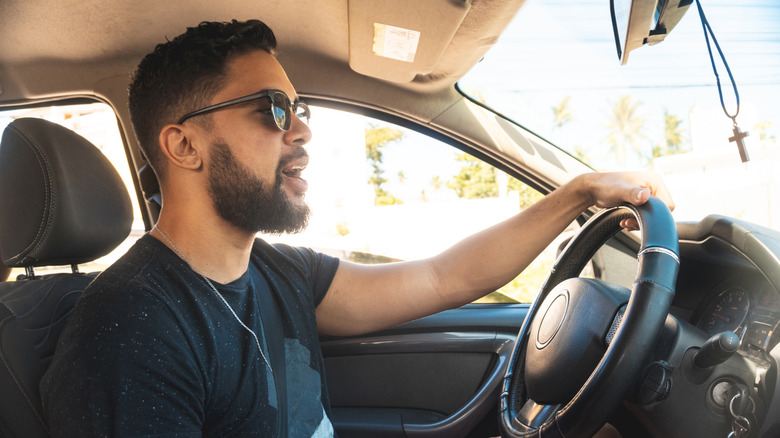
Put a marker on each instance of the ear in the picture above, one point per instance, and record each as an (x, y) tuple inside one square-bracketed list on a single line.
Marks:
[(177, 145)]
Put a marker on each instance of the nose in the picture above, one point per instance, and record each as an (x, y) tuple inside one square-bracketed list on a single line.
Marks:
[(299, 132)]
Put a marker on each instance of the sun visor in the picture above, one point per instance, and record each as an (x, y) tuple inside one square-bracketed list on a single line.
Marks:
[(401, 39)]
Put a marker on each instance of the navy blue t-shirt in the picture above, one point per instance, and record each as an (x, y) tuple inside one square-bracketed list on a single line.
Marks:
[(150, 349)]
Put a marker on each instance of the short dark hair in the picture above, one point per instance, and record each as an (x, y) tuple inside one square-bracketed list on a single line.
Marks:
[(183, 74)]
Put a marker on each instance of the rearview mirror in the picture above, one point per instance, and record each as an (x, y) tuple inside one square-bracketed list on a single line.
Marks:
[(639, 22)]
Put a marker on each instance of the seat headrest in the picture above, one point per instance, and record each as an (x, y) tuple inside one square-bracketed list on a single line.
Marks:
[(61, 200)]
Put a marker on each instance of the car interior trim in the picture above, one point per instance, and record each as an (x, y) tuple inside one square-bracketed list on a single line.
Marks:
[(660, 250)]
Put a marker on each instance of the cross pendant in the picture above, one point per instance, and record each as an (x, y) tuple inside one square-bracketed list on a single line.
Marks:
[(738, 137)]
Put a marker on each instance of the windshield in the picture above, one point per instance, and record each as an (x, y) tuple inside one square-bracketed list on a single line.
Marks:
[(556, 72)]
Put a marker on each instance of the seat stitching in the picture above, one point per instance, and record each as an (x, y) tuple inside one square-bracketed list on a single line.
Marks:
[(21, 388), (44, 226)]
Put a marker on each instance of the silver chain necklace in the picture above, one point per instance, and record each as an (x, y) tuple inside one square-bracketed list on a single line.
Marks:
[(254, 335)]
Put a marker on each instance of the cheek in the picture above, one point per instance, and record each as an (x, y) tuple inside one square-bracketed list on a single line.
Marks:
[(263, 160), (254, 145)]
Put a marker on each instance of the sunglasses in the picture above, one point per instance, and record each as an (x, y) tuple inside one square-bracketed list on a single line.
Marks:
[(281, 108)]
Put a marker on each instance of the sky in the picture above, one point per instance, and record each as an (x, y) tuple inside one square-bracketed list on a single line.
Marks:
[(556, 49)]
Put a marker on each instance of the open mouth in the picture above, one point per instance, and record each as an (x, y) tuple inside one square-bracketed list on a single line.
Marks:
[(294, 172), (292, 176)]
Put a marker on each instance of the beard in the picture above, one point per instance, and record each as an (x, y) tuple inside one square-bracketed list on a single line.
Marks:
[(246, 202)]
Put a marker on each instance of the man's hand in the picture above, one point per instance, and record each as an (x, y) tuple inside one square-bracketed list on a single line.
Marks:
[(608, 189)]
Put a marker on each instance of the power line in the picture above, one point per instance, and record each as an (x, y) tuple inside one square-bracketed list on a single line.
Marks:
[(624, 87)]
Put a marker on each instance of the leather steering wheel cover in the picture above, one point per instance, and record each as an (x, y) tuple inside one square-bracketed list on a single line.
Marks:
[(646, 312)]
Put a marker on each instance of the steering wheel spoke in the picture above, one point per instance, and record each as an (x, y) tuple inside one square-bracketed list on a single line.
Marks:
[(533, 415)]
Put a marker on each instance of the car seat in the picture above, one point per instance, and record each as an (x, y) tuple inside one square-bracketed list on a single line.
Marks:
[(61, 203)]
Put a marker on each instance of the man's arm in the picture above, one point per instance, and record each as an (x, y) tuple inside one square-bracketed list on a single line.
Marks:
[(364, 298)]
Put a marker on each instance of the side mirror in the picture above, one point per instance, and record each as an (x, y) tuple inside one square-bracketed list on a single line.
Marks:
[(639, 22)]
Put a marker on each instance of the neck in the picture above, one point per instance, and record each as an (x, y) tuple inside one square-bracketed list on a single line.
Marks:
[(173, 246), (215, 252)]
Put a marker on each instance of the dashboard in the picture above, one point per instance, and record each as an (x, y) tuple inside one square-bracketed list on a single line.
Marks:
[(748, 306), (729, 280)]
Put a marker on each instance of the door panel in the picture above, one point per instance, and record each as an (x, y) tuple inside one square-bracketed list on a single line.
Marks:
[(435, 377)]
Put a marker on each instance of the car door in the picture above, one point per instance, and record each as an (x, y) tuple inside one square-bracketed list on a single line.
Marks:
[(436, 377)]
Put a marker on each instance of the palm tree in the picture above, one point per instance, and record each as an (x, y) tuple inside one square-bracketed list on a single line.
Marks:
[(675, 135), (562, 113), (625, 129), (377, 138), (765, 134)]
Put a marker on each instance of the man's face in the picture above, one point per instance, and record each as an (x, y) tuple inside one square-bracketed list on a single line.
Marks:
[(254, 168), (248, 203)]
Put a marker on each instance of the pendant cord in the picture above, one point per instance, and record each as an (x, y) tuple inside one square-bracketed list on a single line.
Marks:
[(213, 288), (707, 33)]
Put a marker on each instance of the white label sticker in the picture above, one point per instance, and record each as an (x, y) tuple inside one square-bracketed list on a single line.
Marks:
[(395, 42)]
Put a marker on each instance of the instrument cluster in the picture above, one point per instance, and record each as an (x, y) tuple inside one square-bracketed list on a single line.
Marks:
[(748, 307)]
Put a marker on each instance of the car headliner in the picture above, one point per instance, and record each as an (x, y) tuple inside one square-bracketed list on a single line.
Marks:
[(89, 48), (76, 46)]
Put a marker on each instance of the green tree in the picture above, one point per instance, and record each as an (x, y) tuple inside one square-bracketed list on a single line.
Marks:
[(435, 185), (377, 138), (562, 113), (765, 134), (673, 133), (526, 194), (477, 180), (674, 137), (580, 154), (342, 229), (626, 129)]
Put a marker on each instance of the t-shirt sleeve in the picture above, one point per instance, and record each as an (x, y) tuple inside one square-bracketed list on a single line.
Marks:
[(121, 372), (318, 267)]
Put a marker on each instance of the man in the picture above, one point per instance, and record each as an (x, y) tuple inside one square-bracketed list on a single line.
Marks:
[(183, 335)]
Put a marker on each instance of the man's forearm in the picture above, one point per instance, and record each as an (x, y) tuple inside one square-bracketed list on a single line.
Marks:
[(491, 258), (367, 298)]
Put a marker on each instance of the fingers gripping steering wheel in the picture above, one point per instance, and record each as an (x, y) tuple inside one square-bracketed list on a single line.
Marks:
[(584, 343)]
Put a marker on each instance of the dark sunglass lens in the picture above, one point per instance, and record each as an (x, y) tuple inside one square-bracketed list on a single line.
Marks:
[(280, 117), (281, 111)]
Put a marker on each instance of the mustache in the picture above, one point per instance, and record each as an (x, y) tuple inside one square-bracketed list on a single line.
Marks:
[(299, 152)]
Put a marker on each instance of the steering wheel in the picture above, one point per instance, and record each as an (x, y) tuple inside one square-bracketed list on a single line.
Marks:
[(584, 342)]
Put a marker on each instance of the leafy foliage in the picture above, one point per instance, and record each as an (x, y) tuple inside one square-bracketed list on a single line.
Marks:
[(562, 113), (377, 138), (673, 133), (626, 129), (674, 137), (342, 229), (765, 134), (477, 180), (366, 258)]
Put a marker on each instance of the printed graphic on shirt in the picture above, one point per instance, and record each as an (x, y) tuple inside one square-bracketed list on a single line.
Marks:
[(305, 414)]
